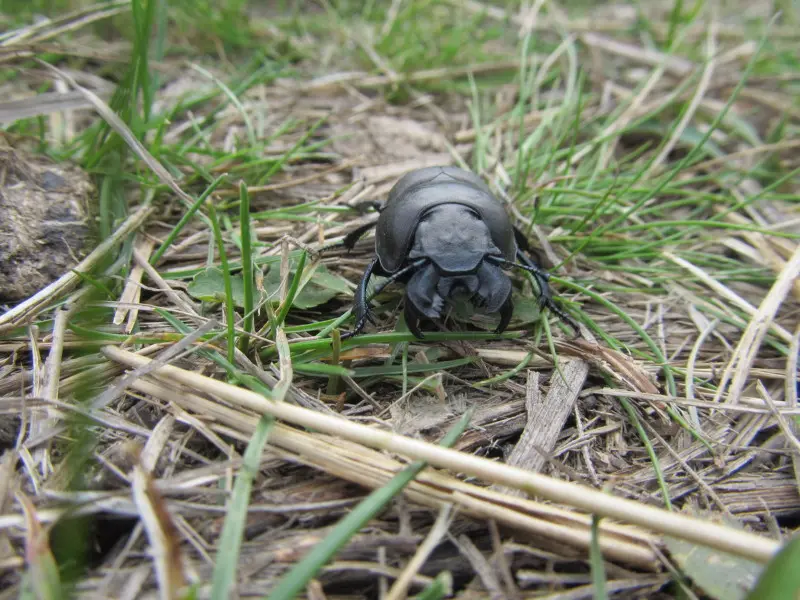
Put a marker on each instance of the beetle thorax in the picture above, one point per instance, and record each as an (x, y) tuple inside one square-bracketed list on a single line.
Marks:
[(454, 238)]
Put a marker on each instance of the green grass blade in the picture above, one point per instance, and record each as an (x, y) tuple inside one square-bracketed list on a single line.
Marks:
[(780, 579), (187, 216), (278, 165), (233, 372), (331, 371), (292, 293), (334, 378), (324, 344), (229, 93), (651, 452), (247, 263), (230, 540), (441, 587), (144, 16), (226, 274), (596, 562), (658, 188), (298, 577), (333, 325), (508, 374), (412, 368), (660, 358)]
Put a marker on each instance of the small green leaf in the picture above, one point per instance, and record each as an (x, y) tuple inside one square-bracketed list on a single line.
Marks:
[(720, 575), (780, 579), (209, 286), (324, 278), (322, 286), (441, 587), (526, 310)]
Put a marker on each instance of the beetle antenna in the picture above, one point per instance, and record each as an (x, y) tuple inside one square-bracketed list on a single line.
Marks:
[(397, 275), (349, 240), (531, 268)]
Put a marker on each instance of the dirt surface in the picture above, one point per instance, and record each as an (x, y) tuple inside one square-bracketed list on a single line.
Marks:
[(45, 224)]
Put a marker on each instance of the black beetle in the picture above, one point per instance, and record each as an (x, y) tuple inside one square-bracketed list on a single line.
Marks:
[(444, 234)]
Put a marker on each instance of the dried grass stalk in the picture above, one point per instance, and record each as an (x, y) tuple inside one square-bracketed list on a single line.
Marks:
[(682, 526)]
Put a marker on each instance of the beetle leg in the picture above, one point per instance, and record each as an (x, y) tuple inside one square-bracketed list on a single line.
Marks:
[(546, 301), (545, 294), (506, 311), (531, 266), (351, 238), (523, 249), (360, 306), (362, 207), (412, 318), (565, 317), (541, 276), (361, 302), (521, 239)]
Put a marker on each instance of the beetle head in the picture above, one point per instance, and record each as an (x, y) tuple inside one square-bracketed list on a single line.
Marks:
[(487, 289), (454, 238), (455, 241)]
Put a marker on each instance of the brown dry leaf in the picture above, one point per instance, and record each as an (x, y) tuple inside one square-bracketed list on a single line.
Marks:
[(43, 573), (165, 539), (619, 366)]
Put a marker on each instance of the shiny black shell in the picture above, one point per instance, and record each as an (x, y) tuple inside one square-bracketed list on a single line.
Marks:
[(421, 190)]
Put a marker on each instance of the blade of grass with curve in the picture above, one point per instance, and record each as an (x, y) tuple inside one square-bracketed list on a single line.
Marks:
[(298, 577), (230, 540)]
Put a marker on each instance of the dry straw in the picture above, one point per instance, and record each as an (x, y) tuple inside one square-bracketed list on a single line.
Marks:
[(678, 525)]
